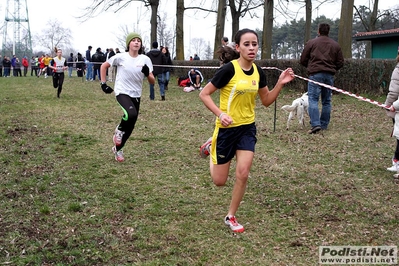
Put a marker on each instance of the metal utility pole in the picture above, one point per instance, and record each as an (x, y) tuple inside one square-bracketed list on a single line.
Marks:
[(17, 39)]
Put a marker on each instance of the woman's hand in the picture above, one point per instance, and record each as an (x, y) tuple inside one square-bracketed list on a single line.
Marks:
[(286, 76)]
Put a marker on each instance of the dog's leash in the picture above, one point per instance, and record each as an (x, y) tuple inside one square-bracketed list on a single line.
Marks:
[(338, 90)]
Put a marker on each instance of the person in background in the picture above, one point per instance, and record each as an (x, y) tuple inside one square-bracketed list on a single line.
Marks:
[(133, 68), (42, 67), (1, 66), (6, 66), (58, 65), (392, 98), (157, 58), (97, 59), (33, 66), (14, 69), (196, 78), (115, 68), (168, 69), (322, 57), (196, 57), (238, 84), (110, 73), (25, 64), (17, 67), (89, 64), (225, 41), (80, 65), (70, 64), (106, 53), (46, 61)]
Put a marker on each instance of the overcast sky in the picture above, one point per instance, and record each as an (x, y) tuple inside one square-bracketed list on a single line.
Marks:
[(102, 30)]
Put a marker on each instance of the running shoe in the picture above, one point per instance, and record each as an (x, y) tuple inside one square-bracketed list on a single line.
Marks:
[(394, 167), (118, 136), (205, 148), (118, 154), (233, 224)]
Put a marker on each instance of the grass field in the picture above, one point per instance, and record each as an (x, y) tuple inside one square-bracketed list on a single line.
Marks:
[(64, 200)]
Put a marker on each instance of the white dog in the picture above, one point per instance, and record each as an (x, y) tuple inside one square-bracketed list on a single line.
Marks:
[(298, 107)]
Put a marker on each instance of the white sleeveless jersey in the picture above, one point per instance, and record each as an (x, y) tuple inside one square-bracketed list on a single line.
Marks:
[(59, 64)]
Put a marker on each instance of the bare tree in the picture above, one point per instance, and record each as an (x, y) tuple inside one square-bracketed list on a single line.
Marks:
[(180, 8), (179, 30), (124, 30), (370, 22), (308, 5), (266, 51), (220, 22), (240, 8), (345, 28), (197, 44), (308, 20), (99, 6), (165, 34), (208, 52), (54, 35), (154, 4)]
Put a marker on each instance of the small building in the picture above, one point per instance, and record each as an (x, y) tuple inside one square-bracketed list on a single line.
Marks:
[(384, 43)]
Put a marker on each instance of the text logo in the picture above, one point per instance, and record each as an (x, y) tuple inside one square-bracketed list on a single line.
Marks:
[(346, 255)]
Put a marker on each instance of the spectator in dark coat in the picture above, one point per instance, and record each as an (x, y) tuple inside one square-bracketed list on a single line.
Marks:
[(322, 57), (6, 66), (157, 58), (1, 66), (167, 70), (97, 59), (80, 65), (70, 64)]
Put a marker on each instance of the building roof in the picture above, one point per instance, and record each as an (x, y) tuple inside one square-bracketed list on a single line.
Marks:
[(362, 36)]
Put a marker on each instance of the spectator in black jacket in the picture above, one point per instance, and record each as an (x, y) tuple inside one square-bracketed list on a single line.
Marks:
[(70, 64), (1, 66), (168, 69), (158, 59), (6, 66), (97, 59), (80, 65)]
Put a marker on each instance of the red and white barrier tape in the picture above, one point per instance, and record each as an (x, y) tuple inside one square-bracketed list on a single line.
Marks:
[(309, 80), (175, 66), (338, 90)]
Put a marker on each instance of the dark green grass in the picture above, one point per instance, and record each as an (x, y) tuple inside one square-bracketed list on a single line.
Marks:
[(64, 200)]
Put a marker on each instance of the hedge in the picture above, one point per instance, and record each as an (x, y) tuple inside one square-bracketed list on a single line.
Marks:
[(359, 76)]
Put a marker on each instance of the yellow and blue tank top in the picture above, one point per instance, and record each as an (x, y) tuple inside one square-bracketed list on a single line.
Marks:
[(237, 97)]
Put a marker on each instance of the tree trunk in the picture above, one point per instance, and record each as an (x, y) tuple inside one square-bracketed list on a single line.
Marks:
[(235, 24), (345, 28), (179, 30), (266, 52), (308, 20), (373, 18), (373, 22), (235, 17), (153, 21), (220, 22)]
